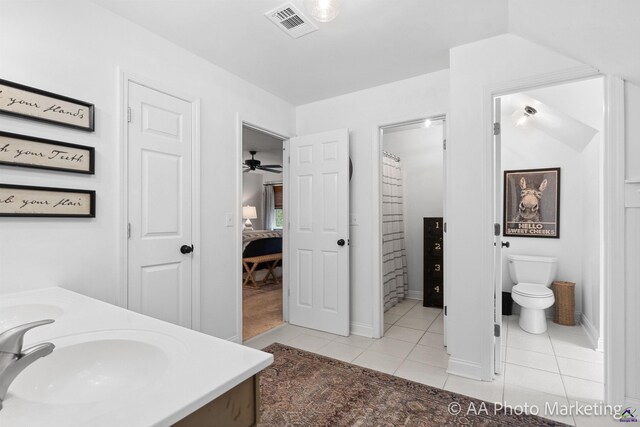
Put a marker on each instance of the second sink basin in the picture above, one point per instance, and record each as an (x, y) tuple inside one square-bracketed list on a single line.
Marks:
[(98, 366)]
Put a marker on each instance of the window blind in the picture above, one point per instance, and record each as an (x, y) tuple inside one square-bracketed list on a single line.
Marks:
[(277, 190)]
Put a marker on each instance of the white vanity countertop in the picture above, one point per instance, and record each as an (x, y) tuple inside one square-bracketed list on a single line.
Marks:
[(194, 368)]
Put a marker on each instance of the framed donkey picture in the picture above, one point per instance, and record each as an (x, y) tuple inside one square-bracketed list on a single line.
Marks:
[(532, 203)]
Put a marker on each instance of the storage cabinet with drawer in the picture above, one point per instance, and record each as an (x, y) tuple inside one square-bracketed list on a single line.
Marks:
[(433, 262)]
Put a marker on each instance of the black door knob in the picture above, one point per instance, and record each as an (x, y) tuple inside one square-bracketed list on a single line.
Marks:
[(506, 244), (341, 242), (186, 249)]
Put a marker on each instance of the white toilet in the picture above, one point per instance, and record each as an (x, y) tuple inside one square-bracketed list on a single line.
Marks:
[(532, 276)]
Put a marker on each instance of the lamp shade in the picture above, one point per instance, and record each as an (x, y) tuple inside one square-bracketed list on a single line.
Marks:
[(249, 212)]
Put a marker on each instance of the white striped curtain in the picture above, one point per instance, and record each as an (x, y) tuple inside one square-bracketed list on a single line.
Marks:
[(396, 282)]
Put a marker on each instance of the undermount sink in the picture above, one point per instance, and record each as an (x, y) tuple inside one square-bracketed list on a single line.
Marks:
[(97, 366), (20, 314)]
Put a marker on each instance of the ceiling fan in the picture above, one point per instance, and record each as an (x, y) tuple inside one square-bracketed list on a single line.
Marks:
[(252, 164)]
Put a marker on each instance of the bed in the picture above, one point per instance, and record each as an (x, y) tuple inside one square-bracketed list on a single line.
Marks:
[(261, 249)]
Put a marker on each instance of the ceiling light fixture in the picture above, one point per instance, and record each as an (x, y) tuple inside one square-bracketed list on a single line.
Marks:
[(323, 10), (529, 112), (427, 123)]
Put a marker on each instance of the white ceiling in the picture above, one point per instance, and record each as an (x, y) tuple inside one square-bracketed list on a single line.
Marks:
[(261, 142), (371, 42), (601, 33)]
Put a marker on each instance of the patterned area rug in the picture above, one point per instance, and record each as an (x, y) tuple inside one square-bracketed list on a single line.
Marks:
[(306, 389), (261, 309)]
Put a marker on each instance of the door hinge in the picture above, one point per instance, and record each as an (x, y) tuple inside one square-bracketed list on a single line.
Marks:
[(444, 227), (288, 292), (128, 230), (496, 330), (496, 229), (444, 144), (128, 114), (445, 310), (289, 159), (496, 128)]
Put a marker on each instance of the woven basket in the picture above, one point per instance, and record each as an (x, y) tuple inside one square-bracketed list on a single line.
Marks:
[(564, 293)]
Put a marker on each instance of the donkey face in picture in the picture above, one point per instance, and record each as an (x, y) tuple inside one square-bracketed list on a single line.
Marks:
[(529, 206)]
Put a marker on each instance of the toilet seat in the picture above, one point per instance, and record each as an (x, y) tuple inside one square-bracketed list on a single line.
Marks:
[(532, 290)]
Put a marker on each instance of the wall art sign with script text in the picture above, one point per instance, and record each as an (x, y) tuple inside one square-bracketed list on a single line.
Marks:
[(24, 101), (532, 203), (32, 152), (22, 200)]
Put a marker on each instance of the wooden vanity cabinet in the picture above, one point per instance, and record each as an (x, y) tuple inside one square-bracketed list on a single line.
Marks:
[(238, 407)]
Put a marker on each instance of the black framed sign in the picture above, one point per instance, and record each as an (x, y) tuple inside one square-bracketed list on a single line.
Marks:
[(23, 200), (532, 203), (32, 152), (31, 103)]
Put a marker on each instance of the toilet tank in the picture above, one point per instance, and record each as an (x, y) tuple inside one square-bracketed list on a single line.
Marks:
[(532, 269)]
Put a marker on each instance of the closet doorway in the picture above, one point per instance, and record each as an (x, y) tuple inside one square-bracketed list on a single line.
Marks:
[(263, 219), (412, 181)]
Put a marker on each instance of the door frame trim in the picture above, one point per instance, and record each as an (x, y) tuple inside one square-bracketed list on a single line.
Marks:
[(613, 220), (238, 224), (377, 326), (125, 77)]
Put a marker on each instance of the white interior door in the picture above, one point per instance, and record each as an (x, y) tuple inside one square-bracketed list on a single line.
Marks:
[(497, 241), (160, 142), (319, 231)]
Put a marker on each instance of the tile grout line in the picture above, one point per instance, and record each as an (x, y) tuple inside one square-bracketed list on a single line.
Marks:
[(564, 387)]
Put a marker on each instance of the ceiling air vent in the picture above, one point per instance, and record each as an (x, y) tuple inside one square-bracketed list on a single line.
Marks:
[(290, 20)]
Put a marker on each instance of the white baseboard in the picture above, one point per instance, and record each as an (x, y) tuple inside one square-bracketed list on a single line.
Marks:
[(415, 295), (362, 329), (593, 334), (465, 368)]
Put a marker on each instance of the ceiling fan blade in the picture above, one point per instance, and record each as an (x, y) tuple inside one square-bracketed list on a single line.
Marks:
[(268, 170), (246, 170), (271, 166)]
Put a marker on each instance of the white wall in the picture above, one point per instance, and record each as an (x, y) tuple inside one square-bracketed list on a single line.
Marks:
[(75, 48), (252, 195), (474, 67), (362, 112), (632, 244), (579, 245), (420, 151)]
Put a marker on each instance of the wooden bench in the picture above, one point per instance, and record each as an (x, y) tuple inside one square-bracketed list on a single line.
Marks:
[(250, 264)]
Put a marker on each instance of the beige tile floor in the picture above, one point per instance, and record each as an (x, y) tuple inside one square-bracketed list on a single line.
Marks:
[(557, 366)]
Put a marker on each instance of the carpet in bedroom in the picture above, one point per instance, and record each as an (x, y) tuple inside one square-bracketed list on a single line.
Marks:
[(261, 309), (306, 389)]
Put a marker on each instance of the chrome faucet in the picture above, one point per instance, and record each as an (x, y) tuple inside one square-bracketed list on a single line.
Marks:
[(13, 359)]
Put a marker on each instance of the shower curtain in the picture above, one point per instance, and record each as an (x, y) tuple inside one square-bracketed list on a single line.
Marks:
[(269, 208), (395, 279)]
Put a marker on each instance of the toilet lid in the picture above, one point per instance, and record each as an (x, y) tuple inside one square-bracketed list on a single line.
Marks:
[(532, 290)]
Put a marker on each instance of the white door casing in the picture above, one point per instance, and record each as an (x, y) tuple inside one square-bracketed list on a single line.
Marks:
[(318, 225), (160, 144), (497, 243)]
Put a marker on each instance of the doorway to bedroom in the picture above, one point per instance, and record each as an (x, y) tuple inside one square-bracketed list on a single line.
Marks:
[(263, 220)]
